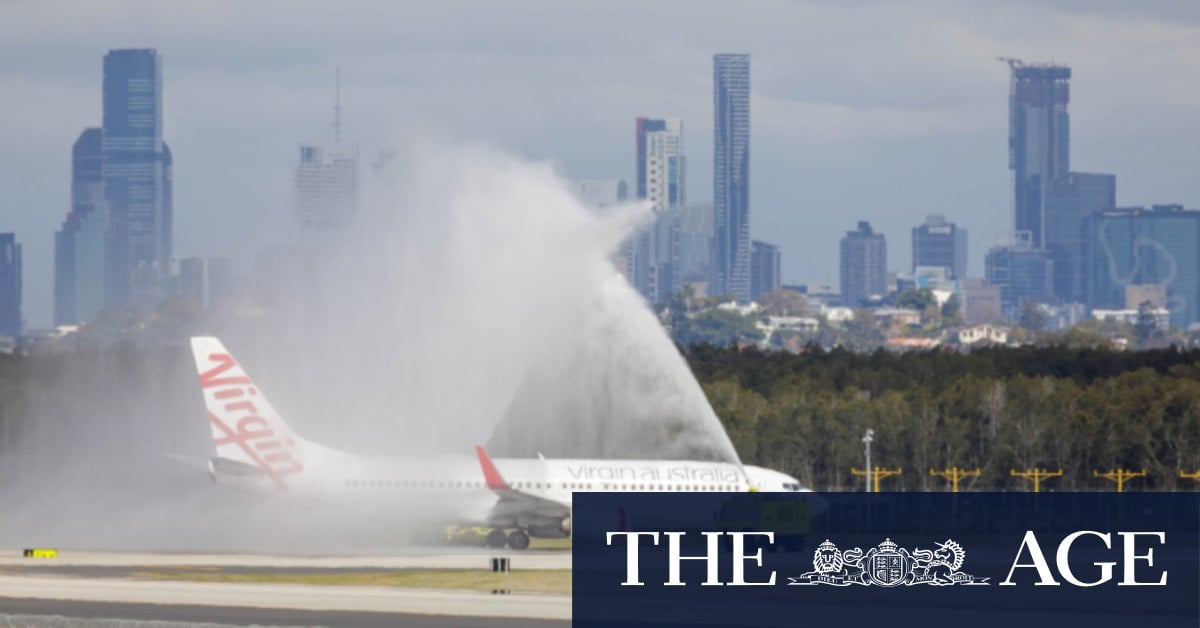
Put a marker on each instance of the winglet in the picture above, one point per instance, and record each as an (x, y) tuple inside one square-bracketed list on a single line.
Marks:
[(490, 474)]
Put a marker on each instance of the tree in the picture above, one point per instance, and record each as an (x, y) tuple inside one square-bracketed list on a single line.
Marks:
[(952, 311), (918, 299), (997, 408), (783, 302), (1032, 316), (862, 332), (676, 307), (740, 410), (1146, 326), (1081, 336), (716, 327)]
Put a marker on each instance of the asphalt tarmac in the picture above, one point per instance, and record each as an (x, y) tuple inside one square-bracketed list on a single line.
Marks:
[(40, 612), (100, 588)]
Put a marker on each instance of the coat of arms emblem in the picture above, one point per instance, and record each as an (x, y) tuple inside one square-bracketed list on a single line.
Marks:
[(888, 565)]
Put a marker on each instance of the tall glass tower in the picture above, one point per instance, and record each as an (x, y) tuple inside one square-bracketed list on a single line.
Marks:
[(137, 177), (1038, 140), (79, 247), (1069, 201), (10, 285), (1135, 246), (940, 243), (731, 176)]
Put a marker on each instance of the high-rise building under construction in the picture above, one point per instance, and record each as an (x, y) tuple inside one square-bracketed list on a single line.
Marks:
[(1038, 140)]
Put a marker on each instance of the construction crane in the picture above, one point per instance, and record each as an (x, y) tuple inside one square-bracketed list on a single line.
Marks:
[(1012, 63)]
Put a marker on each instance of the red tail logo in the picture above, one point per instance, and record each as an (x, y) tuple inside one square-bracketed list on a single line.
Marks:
[(253, 434)]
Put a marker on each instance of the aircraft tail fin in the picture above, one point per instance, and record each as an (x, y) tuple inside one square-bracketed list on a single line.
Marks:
[(491, 474), (245, 427)]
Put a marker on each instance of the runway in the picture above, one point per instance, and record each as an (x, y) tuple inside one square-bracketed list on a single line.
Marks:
[(114, 585), (27, 612), (462, 559)]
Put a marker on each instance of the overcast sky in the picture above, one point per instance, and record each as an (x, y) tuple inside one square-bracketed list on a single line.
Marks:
[(884, 111)]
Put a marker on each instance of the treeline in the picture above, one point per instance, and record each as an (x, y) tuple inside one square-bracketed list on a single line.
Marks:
[(97, 417), (997, 409)]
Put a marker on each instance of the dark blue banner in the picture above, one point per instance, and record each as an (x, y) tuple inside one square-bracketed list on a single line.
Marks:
[(887, 560)]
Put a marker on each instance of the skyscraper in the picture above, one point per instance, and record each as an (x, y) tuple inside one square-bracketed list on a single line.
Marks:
[(10, 285), (1137, 246), (731, 176), (326, 199), (136, 178), (661, 165), (662, 180), (764, 269), (79, 246), (1020, 270), (863, 268), (941, 244), (206, 282), (1069, 201), (695, 244), (1038, 139)]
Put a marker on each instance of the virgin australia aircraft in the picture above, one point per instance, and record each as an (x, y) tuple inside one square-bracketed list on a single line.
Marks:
[(257, 450)]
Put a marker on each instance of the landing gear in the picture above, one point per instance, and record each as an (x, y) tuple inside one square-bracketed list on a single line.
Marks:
[(496, 538), (517, 539)]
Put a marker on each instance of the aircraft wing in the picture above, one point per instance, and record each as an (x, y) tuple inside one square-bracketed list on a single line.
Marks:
[(515, 502)]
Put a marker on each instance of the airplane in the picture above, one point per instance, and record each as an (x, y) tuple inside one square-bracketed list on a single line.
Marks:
[(257, 451)]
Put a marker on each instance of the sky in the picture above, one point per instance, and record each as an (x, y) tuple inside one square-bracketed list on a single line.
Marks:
[(860, 110)]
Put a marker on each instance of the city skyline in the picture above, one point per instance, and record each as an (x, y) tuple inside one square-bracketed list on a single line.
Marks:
[(114, 249), (820, 128)]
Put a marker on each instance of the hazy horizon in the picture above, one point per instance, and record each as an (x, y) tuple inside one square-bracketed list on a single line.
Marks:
[(860, 110)]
